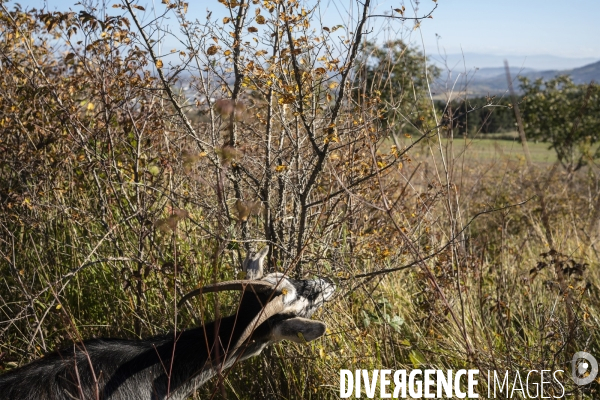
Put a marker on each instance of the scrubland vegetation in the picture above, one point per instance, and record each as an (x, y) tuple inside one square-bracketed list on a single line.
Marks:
[(120, 192)]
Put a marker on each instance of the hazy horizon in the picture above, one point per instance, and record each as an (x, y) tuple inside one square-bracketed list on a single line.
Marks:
[(540, 62)]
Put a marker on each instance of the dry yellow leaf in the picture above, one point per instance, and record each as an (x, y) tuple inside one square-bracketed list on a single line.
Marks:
[(159, 64), (333, 137)]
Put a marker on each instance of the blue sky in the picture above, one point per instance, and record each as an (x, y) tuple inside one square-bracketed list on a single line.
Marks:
[(496, 27), (521, 27)]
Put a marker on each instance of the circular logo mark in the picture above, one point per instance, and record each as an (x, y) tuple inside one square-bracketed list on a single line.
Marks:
[(580, 365)]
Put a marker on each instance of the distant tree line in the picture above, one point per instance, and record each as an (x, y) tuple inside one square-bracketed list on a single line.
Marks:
[(557, 111), (477, 115)]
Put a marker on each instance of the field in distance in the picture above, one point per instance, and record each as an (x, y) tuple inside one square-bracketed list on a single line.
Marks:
[(491, 148)]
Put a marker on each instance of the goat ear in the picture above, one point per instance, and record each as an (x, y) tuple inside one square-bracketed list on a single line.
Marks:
[(299, 330), (253, 264)]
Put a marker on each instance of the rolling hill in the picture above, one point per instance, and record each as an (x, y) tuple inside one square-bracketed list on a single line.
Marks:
[(493, 80)]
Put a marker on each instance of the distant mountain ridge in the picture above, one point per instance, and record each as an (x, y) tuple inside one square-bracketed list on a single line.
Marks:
[(493, 80), (537, 62)]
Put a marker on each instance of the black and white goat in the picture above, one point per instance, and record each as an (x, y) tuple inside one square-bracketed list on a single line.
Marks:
[(272, 308)]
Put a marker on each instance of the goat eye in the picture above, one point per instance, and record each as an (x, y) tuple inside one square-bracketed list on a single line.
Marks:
[(284, 291)]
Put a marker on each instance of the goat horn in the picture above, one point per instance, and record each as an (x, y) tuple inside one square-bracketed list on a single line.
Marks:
[(257, 286), (273, 307)]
